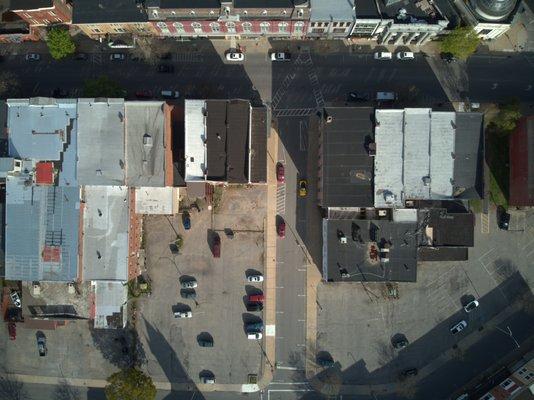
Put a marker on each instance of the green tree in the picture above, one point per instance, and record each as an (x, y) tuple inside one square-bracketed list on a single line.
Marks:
[(60, 43), (506, 120), (130, 384), (461, 42), (103, 87)]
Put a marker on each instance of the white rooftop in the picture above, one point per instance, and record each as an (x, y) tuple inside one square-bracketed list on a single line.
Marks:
[(195, 136), (414, 155), (155, 200)]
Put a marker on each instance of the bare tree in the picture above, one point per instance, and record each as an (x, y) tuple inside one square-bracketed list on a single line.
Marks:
[(149, 49)]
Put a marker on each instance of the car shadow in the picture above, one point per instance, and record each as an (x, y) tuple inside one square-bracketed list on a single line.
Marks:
[(252, 290), (252, 272)]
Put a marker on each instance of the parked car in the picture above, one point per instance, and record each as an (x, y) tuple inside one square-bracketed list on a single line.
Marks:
[(281, 56), (460, 326), (143, 94), (170, 94), (41, 345), (358, 96), (254, 335), (280, 173), (33, 57), (400, 343), (183, 314), (255, 278), (383, 55), (164, 68), (117, 56), (12, 329), (471, 306), (303, 188), (80, 56), (206, 342), (189, 294), (216, 249), (186, 220), (448, 57), (235, 56), (281, 228), (405, 55), (503, 218), (256, 298), (189, 284), (165, 56), (410, 372), (208, 380), (325, 362), (254, 306), (15, 299), (254, 327)]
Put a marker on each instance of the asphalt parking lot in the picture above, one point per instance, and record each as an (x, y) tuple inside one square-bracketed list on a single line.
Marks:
[(356, 322), (219, 312)]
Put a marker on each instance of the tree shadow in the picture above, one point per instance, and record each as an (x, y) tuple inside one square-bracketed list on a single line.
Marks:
[(12, 389), (64, 391)]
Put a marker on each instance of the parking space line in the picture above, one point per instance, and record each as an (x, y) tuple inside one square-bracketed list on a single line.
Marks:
[(301, 295), (279, 287)]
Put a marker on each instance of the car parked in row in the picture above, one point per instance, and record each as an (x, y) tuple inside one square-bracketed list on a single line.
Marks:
[(280, 56), (170, 94), (33, 57), (281, 228), (256, 298), (460, 326), (280, 173), (14, 296), (303, 188), (235, 56), (405, 55), (183, 314), (255, 278), (216, 248), (41, 344), (471, 306), (254, 335), (189, 284), (383, 55), (254, 306)]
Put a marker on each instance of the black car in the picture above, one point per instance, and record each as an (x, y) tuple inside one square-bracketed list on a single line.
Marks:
[(205, 342), (400, 343), (448, 57), (358, 96), (80, 56), (165, 68), (254, 306), (325, 362), (410, 372), (503, 218)]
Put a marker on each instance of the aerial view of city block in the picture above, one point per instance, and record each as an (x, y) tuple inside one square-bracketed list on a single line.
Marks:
[(267, 199)]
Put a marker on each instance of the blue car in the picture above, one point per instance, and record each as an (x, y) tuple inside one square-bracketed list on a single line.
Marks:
[(186, 220)]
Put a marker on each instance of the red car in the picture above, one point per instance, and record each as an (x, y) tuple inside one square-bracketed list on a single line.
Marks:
[(12, 328), (143, 94), (255, 298), (280, 177), (216, 249), (281, 228)]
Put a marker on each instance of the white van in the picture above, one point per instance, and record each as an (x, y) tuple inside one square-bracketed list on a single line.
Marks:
[(383, 55), (405, 55)]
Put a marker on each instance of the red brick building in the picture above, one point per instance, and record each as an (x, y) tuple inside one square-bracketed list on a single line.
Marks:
[(522, 164), (43, 12)]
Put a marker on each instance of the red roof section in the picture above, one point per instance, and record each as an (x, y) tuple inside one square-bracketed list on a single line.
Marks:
[(521, 180), (44, 174), (51, 254)]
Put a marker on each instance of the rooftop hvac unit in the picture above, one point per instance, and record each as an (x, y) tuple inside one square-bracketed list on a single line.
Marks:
[(382, 213), (426, 180), (389, 197), (36, 289), (343, 240)]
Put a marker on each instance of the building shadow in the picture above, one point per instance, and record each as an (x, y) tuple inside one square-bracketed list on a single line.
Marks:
[(494, 348)]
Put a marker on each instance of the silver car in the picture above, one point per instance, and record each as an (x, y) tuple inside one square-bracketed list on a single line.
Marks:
[(183, 314), (255, 278), (460, 326), (15, 299), (191, 284)]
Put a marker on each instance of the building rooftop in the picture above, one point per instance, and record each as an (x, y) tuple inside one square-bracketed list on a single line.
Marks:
[(426, 155), (101, 142), (42, 225), (105, 237), (443, 228), (156, 200), (367, 9), (410, 11), (110, 300), (108, 11), (369, 250), (45, 129), (332, 10), (216, 140), (347, 167), (522, 163), (258, 144), (145, 143)]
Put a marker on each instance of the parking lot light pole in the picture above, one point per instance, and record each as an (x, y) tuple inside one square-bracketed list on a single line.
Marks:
[(508, 332)]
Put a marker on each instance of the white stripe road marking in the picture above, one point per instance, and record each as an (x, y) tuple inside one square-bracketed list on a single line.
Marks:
[(288, 368), (279, 287), (279, 312), (302, 295)]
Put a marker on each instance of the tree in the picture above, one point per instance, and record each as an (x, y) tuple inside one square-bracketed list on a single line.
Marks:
[(130, 384), (150, 49), (102, 87), (506, 120), (461, 42), (60, 43)]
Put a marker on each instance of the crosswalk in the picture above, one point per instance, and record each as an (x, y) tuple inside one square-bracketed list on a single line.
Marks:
[(293, 112), (281, 199)]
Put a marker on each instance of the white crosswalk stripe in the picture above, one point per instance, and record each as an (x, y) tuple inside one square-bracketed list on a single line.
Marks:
[(281, 199)]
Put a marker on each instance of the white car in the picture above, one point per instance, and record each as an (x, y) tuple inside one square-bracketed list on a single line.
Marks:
[(235, 56), (280, 56), (471, 306), (255, 278), (208, 380), (460, 326), (189, 284), (405, 55), (15, 299), (254, 335), (33, 57), (383, 55), (183, 314)]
